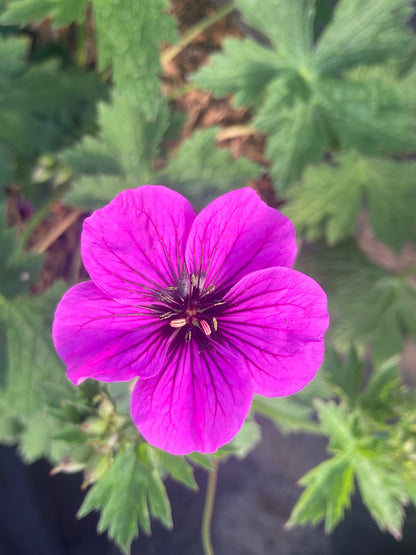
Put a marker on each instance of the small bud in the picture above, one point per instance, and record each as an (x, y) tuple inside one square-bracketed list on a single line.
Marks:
[(68, 465), (94, 426)]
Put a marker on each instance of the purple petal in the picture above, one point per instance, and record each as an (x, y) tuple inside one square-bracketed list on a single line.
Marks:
[(238, 234), (197, 403), (275, 321), (99, 338), (135, 245)]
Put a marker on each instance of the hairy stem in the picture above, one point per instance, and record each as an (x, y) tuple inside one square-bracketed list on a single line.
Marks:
[(208, 509)]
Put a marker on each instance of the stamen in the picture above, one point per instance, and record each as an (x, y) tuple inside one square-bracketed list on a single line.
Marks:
[(165, 316), (188, 336), (214, 324), (179, 323), (209, 290), (205, 327), (193, 279)]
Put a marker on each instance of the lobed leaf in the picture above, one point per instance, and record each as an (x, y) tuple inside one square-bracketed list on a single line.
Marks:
[(177, 467), (348, 278), (126, 495), (390, 317), (288, 25), (364, 33), (290, 415), (311, 98), (382, 491), (129, 39), (31, 356), (119, 158), (296, 135), (43, 107), (244, 68), (368, 115), (339, 425), (332, 196), (329, 487), (200, 170)]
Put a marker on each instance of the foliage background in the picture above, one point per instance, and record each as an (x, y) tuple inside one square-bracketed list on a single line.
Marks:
[(311, 102)]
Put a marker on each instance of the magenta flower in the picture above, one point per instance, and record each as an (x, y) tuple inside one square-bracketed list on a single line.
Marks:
[(204, 310)]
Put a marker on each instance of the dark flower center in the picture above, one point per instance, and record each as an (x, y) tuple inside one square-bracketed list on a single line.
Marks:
[(190, 310)]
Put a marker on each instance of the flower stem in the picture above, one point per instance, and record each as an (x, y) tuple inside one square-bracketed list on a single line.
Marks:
[(194, 31), (208, 509)]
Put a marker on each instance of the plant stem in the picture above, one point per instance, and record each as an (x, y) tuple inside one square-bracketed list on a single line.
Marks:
[(194, 31), (208, 509)]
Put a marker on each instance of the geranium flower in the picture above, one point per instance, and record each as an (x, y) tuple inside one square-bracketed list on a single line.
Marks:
[(204, 310)]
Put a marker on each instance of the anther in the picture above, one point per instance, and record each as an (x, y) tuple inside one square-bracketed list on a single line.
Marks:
[(188, 336), (193, 279), (179, 323), (205, 327), (214, 324)]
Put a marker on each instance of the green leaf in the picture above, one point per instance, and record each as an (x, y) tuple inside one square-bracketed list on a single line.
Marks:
[(18, 270), (129, 37), (330, 198), (243, 443), (91, 157), (6, 165), (199, 459), (132, 138), (391, 197), (288, 25), (93, 192), (379, 396), (382, 491), (200, 170), (39, 438), (12, 56), (243, 68), (390, 316), (329, 487), (178, 468), (30, 353), (288, 413), (62, 12), (348, 278), (119, 158), (364, 33), (344, 376), (125, 495), (45, 106), (338, 424), (313, 98), (296, 134), (369, 115)]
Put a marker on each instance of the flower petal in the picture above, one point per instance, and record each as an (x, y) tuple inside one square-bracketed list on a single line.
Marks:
[(99, 338), (197, 403), (275, 321), (238, 234), (135, 245)]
